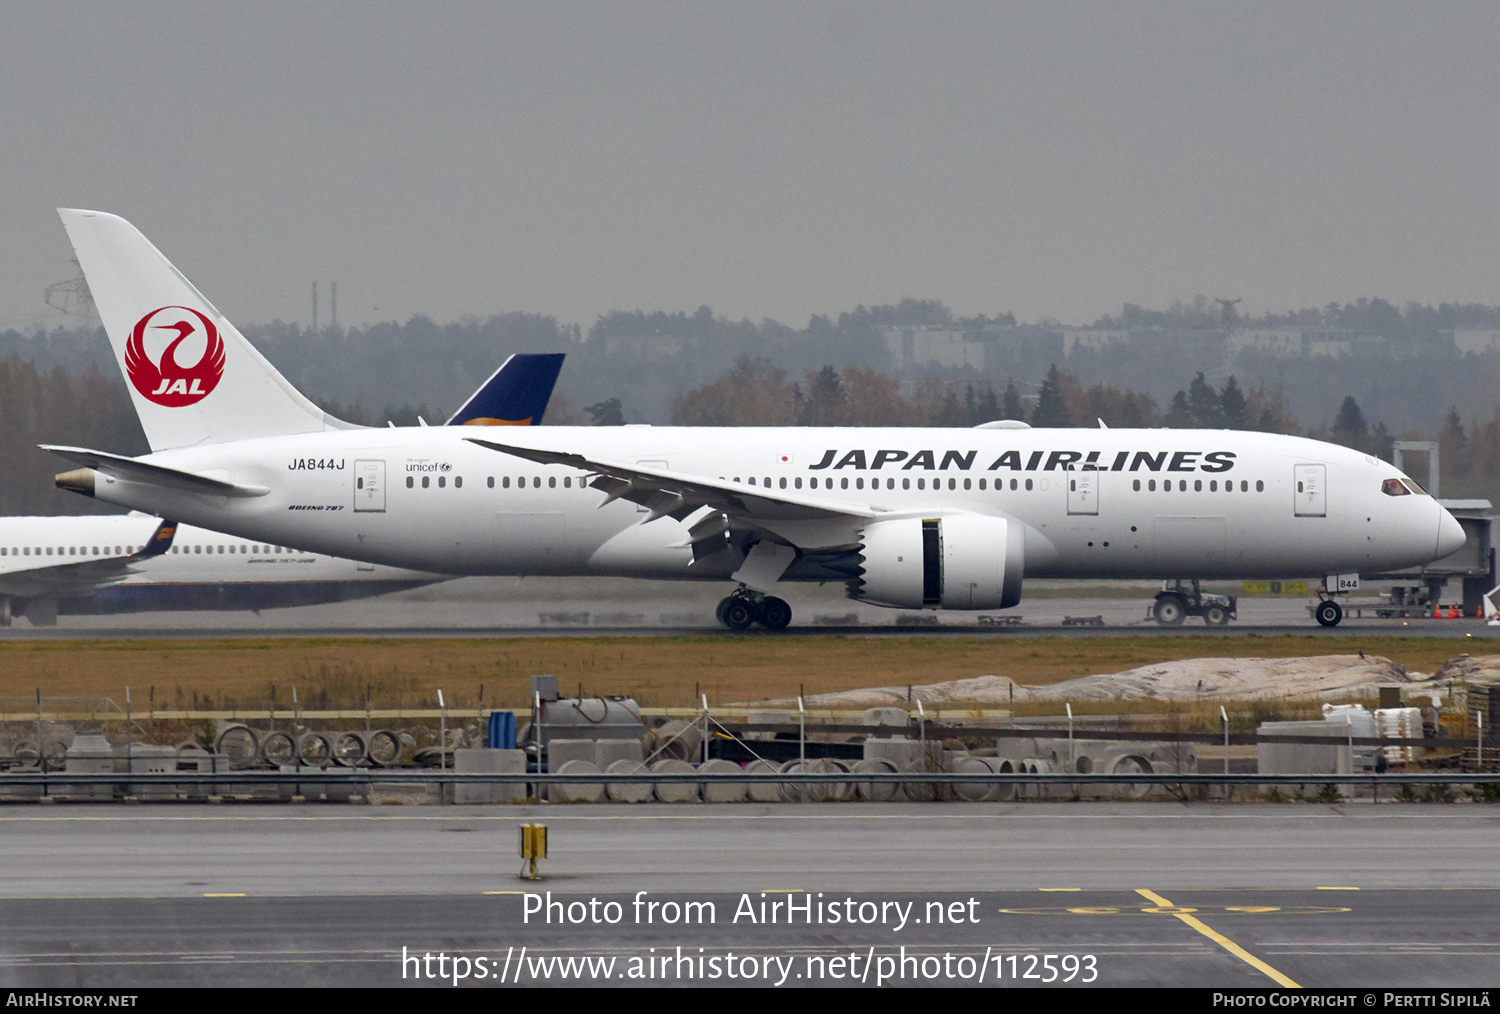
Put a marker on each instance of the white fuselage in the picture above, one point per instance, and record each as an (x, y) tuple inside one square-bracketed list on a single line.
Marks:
[(1151, 504), (203, 569)]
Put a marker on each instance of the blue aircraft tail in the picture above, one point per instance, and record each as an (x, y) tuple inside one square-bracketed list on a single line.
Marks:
[(516, 395)]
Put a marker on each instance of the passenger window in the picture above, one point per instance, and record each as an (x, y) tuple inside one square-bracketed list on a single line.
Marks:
[(1244, 486), (752, 480), (1028, 485), (1394, 487), (505, 482), (442, 481), (981, 484), (952, 484), (966, 483), (490, 482), (1012, 486), (359, 483), (567, 482), (843, 483), (1151, 486), (426, 481), (408, 482), (768, 482), (798, 483), (1260, 486), (1135, 484), (536, 482), (1213, 485), (458, 482), (1197, 485), (781, 482), (859, 483), (921, 483), (890, 484), (906, 484), (551, 482)]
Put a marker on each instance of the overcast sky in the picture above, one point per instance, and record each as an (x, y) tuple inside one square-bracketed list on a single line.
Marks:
[(768, 159)]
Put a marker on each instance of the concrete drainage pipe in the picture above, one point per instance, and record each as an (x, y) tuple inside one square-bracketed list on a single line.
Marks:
[(762, 792), (278, 748), (589, 792), (383, 748), (314, 750), (875, 792), (349, 748), (976, 792), (675, 792), (627, 792), (715, 791)]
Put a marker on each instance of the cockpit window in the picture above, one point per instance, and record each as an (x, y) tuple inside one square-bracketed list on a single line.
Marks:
[(1415, 487), (1394, 487)]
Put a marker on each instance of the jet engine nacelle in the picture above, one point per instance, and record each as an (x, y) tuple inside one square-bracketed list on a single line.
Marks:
[(957, 561)]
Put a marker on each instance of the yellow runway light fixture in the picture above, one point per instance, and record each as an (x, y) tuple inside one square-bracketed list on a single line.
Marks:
[(533, 847)]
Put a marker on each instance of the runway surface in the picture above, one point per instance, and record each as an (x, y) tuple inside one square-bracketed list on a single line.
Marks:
[(1358, 895), (614, 607)]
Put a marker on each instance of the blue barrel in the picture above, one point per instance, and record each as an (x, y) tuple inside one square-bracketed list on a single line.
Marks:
[(502, 730)]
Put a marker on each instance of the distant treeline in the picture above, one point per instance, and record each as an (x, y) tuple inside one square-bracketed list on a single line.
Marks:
[(660, 367)]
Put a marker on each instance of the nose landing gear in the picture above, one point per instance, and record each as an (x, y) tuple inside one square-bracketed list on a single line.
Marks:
[(1329, 613), (745, 607)]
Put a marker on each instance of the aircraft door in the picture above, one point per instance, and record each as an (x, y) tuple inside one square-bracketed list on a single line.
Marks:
[(1310, 483), (1083, 492), (369, 485)]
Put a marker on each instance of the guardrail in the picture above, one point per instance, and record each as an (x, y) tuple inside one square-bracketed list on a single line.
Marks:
[(346, 777)]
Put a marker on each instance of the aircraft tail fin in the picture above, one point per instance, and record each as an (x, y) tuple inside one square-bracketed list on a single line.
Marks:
[(515, 395), (192, 377)]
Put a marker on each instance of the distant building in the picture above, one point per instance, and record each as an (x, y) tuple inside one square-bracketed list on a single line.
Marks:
[(932, 345), (1477, 342)]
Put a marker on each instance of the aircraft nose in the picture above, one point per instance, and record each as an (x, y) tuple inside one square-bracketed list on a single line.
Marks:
[(1450, 534)]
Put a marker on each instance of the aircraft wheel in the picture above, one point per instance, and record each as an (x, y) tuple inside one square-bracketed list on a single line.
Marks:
[(775, 614), (1329, 613), (737, 613), (1216, 616), (719, 609), (1169, 611)]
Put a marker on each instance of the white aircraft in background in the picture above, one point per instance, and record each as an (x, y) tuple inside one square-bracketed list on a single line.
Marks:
[(909, 518), (134, 563)]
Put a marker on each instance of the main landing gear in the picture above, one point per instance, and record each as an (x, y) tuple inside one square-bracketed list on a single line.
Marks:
[(745, 607)]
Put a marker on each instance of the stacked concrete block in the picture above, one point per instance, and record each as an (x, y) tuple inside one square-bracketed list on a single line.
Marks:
[(1301, 758), (486, 761), (91, 755)]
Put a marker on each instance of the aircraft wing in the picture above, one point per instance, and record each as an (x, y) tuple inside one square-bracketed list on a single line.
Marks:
[(85, 576), (678, 494)]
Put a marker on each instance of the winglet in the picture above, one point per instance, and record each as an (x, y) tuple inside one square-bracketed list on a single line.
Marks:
[(159, 543)]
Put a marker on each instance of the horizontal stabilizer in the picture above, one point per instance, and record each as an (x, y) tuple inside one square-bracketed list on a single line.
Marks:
[(132, 470)]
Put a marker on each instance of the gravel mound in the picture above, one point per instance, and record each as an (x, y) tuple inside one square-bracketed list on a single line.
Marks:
[(1188, 679)]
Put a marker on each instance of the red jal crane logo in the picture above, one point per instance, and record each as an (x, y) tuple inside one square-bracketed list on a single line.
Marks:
[(166, 380)]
